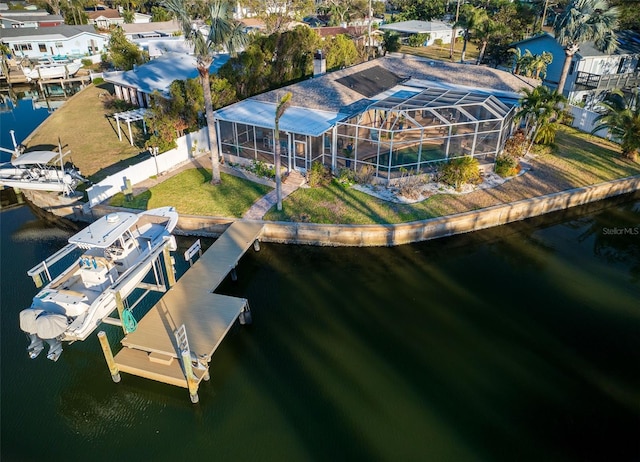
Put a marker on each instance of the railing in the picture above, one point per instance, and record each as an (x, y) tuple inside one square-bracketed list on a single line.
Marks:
[(607, 81)]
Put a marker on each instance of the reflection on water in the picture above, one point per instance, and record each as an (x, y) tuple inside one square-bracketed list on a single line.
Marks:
[(519, 343)]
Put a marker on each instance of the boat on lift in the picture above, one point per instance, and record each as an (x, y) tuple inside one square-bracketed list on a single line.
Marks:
[(42, 171), (48, 68), (115, 252)]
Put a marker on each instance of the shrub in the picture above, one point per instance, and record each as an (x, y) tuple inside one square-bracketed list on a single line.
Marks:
[(410, 184), (346, 177), (318, 175), (516, 146), (87, 62), (364, 174), (507, 165), (161, 143), (417, 40), (262, 169), (98, 81), (458, 172), (438, 42)]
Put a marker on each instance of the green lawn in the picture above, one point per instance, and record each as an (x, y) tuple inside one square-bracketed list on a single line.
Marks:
[(191, 193), (442, 53), (577, 159)]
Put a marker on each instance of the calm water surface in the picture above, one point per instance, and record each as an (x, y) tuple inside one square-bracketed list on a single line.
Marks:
[(520, 343)]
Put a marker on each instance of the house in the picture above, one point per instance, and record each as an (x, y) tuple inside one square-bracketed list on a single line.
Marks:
[(152, 29), (69, 41), (25, 18), (104, 18), (437, 30), (592, 72), (390, 115), (141, 18), (137, 85)]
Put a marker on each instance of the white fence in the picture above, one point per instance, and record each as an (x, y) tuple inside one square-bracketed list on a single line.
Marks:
[(189, 146), (584, 120)]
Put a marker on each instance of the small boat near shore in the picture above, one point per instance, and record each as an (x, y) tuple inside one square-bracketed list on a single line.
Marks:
[(47, 68), (117, 252), (41, 171)]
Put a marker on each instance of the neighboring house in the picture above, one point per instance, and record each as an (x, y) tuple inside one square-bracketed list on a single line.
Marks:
[(137, 85), (435, 29), (141, 18), (592, 72), (391, 115), (152, 29), (70, 41), (105, 18), (357, 33), (25, 18)]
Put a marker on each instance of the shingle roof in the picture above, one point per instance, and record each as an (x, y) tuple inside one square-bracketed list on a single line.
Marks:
[(326, 92), (57, 31)]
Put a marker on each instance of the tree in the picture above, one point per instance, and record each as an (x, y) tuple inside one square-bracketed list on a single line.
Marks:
[(283, 104), (421, 10), (224, 32), (484, 32), (541, 109), (124, 54), (276, 14), (159, 14), (471, 18), (583, 21), (391, 41), (340, 52), (622, 119)]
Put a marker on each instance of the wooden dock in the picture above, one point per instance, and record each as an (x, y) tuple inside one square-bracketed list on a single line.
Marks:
[(153, 351)]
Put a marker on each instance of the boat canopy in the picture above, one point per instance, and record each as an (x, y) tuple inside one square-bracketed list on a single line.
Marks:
[(35, 157), (104, 232)]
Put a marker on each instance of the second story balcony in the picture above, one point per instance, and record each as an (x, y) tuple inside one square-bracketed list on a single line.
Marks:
[(587, 81)]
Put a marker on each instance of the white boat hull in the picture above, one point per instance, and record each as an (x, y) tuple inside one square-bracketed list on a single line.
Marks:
[(52, 71), (119, 250)]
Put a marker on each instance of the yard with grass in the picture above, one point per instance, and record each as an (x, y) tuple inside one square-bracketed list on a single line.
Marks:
[(576, 159), (441, 53), (85, 128), (191, 193)]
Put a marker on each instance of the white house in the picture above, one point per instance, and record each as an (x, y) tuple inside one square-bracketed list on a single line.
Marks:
[(136, 85), (435, 29), (69, 41), (152, 29), (592, 72)]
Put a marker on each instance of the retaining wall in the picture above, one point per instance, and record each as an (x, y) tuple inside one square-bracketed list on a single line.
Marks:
[(390, 235), (374, 235)]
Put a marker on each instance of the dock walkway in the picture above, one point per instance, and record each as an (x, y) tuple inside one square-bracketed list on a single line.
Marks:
[(152, 351)]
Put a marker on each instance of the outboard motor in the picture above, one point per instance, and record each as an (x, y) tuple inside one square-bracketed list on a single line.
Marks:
[(55, 349), (28, 325)]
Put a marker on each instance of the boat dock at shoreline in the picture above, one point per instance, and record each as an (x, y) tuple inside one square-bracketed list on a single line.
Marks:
[(175, 340)]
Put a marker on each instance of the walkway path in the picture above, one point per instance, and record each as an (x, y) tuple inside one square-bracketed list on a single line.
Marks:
[(262, 205)]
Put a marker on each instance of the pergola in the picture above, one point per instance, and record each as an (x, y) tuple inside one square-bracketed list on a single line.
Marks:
[(128, 117), (412, 128)]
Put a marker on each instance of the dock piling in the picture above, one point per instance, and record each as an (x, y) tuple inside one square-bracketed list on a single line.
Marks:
[(108, 355), (120, 306), (168, 264), (192, 381), (256, 245)]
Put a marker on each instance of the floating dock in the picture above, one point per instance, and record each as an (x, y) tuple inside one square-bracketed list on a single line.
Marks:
[(175, 340)]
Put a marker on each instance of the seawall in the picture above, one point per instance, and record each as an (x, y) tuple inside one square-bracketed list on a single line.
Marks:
[(373, 235)]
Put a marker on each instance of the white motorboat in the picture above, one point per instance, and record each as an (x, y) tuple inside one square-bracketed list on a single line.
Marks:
[(47, 68), (39, 170), (118, 251)]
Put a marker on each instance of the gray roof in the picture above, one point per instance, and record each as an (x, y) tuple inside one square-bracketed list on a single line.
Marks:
[(158, 73), (54, 32), (326, 92), (417, 27), (31, 18), (628, 44)]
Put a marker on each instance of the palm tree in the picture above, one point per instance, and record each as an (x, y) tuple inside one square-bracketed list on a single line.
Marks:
[(470, 20), (582, 21), (484, 32), (225, 33), (541, 110), (622, 119), (283, 104)]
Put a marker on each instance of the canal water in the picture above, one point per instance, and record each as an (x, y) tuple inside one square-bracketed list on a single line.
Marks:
[(517, 343)]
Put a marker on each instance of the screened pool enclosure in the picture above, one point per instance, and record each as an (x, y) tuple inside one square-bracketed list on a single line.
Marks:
[(405, 128)]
